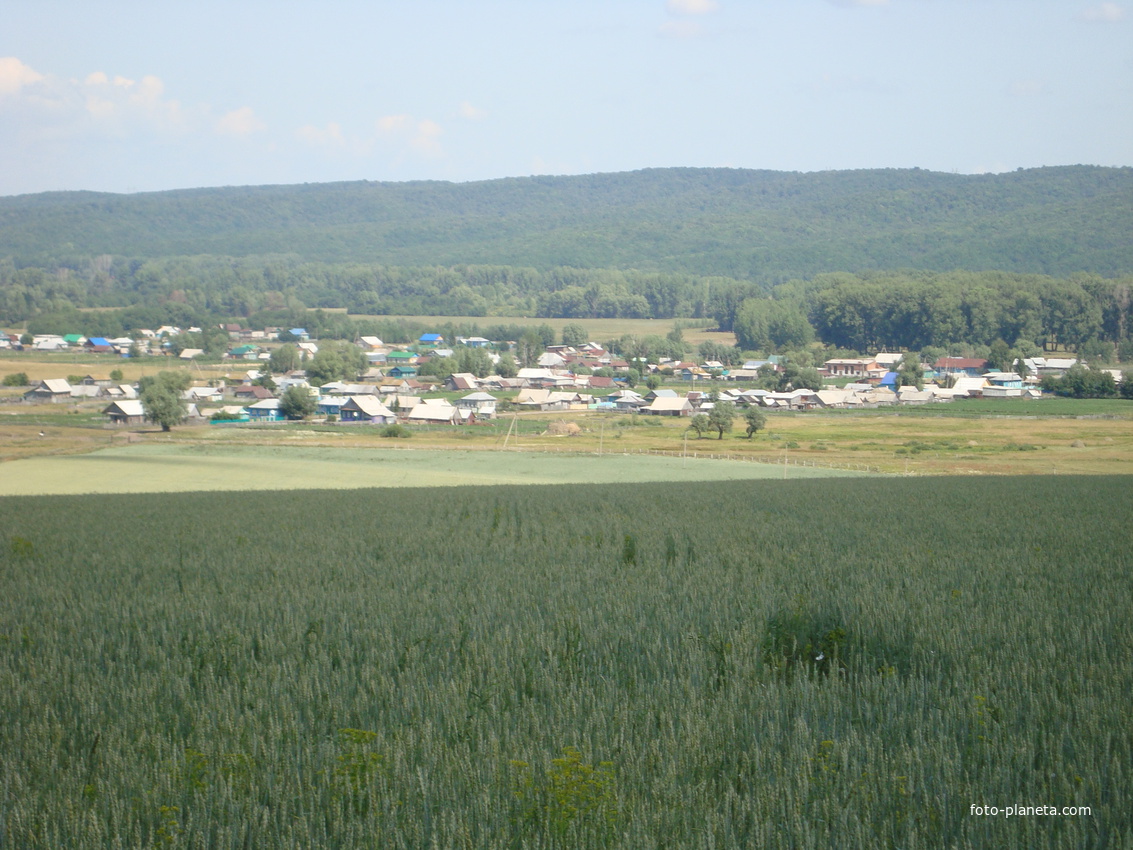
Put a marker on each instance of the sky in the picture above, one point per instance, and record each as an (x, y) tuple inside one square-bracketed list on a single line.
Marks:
[(164, 94)]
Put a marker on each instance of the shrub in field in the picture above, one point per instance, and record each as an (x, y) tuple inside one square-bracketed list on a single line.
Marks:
[(801, 641), (574, 796), (396, 430)]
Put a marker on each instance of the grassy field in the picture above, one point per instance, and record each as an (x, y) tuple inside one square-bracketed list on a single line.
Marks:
[(156, 468), (599, 330), (1088, 437), (849, 663)]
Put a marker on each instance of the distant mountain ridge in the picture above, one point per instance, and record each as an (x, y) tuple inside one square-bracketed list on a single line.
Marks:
[(759, 225)]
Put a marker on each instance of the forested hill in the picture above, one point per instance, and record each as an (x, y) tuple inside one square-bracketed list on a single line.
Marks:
[(754, 225)]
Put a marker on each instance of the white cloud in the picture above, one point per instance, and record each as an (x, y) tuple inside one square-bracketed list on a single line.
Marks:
[(329, 136), (239, 122), (472, 113), (400, 133), (394, 123), (14, 75), (421, 135), (1103, 13), (692, 7)]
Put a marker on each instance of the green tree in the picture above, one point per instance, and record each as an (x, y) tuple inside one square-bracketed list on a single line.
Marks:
[(999, 357), (700, 424), (285, 358), (721, 417), (528, 349), (506, 367), (798, 377), (297, 403), (574, 335), (909, 373), (116, 376), (755, 419), (16, 379), (161, 399), (336, 360), (653, 381), (1125, 389)]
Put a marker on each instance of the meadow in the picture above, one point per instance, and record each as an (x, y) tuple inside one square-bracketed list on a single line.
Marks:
[(839, 662), (178, 467)]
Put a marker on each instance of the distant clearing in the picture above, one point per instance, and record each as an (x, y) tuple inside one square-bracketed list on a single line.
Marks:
[(177, 468)]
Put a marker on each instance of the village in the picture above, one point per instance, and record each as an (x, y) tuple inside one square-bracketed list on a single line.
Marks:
[(396, 386)]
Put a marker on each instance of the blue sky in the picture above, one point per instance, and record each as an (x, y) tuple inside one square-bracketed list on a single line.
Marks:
[(162, 94)]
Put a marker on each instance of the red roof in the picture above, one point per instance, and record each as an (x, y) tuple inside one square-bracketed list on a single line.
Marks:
[(959, 363)]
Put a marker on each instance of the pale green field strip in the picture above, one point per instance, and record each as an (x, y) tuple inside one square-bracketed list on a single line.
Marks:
[(163, 469)]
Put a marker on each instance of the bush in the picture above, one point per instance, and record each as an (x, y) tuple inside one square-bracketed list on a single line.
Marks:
[(395, 430), (16, 379)]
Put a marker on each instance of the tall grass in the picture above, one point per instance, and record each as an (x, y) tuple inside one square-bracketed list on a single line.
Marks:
[(803, 664)]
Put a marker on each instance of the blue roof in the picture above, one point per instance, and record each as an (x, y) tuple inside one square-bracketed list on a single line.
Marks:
[(99, 340), (298, 331), (890, 378), (430, 338)]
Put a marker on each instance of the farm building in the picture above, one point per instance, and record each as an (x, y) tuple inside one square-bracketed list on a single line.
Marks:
[(669, 406), (49, 390), (125, 412)]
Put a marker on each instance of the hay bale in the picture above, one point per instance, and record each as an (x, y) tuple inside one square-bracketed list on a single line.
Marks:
[(1077, 444), (563, 429)]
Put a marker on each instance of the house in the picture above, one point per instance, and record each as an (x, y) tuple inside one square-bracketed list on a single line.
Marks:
[(405, 403), (695, 373), (300, 334), (52, 390), (669, 406), (627, 401), (402, 372), (366, 408), (462, 382), (202, 394), (190, 353), (474, 341), (82, 391), (265, 411), (125, 412), (1005, 379), (435, 411), (371, 343), (251, 393), (431, 340), (482, 404), (331, 405), (911, 395), (1054, 366), (600, 382), (50, 343), (850, 367), (244, 352), (534, 377), (551, 360), (973, 367), (99, 345)]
